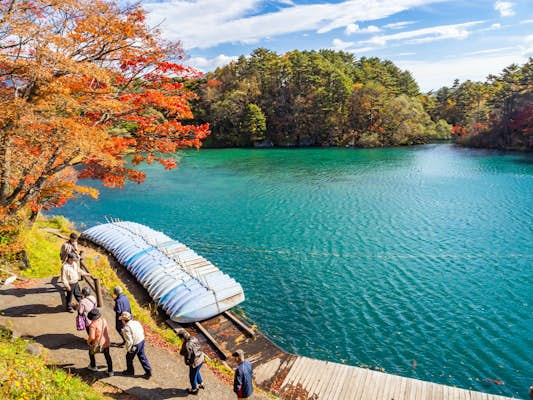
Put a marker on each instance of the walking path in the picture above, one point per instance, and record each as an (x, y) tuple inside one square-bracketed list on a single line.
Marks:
[(37, 311)]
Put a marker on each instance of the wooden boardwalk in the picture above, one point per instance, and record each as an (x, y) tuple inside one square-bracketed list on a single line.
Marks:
[(308, 378)]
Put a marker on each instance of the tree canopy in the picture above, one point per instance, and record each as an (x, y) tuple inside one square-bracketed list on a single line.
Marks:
[(496, 113), (83, 84), (314, 98)]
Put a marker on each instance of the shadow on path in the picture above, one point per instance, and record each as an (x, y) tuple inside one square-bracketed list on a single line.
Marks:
[(32, 310), (55, 341), (21, 292), (157, 393)]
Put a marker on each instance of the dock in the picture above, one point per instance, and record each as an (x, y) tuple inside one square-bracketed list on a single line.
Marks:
[(293, 377)]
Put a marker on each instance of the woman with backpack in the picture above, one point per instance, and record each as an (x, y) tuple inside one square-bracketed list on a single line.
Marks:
[(194, 357), (87, 304)]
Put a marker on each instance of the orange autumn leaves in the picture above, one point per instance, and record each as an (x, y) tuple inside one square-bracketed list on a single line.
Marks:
[(83, 84)]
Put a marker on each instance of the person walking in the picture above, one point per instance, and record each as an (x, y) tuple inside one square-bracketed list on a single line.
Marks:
[(70, 248), (194, 359), (242, 381), (70, 275), (122, 304), (133, 333), (87, 303), (99, 340)]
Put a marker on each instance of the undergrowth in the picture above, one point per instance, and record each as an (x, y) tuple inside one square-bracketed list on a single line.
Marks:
[(27, 377)]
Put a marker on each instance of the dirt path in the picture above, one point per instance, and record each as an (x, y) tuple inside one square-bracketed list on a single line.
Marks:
[(37, 311)]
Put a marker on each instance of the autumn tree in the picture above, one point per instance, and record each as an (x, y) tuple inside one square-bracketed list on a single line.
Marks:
[(83, 83)]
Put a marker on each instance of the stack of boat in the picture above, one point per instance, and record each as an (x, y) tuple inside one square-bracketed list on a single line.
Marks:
[(187, 286)]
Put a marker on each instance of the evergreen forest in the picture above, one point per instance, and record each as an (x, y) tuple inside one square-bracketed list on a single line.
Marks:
[(332, 98)]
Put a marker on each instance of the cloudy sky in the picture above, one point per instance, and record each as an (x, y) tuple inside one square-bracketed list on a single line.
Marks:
[(437, 40)]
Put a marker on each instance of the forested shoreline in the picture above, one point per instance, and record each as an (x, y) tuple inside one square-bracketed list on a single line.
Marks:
[(332, 98)]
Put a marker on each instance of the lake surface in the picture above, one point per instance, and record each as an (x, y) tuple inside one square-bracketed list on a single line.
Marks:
[(375, 257)]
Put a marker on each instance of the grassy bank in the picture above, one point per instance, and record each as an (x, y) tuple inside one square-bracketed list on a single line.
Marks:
[(25, 376)]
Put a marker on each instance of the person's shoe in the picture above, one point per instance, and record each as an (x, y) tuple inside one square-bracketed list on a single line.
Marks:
[(201, 386), (148, 375), (127, 373), (91, 368), (70, 309), (110, 373), (192, 391)]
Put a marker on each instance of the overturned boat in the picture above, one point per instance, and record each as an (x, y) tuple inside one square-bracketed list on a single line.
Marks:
[(184, 284)]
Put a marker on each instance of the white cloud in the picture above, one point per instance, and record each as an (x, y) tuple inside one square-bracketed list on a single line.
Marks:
[(209, 64), (354, 28), (527, 21), (527, 47), (399, 25), (505, 8), (361, 50), (432, 75), (496, 26), (406, 54), (426, 35), (338, 44), (207, 23), (492, 51)]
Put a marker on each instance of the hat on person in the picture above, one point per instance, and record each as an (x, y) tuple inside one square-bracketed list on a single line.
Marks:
[(183, 334), (239, 353), (125, 316), (94, 314), (73, 236), (117, 290)]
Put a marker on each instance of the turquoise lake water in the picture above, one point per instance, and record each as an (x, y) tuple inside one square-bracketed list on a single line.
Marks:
[(376, 257)]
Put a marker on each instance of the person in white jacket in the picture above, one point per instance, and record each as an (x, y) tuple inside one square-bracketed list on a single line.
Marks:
[(70, 275), (133, 334)]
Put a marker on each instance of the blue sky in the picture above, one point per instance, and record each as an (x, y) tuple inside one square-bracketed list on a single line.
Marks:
[(437, 40)]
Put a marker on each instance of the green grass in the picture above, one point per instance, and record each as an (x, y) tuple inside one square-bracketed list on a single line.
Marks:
[(43, 253), (24, 376)]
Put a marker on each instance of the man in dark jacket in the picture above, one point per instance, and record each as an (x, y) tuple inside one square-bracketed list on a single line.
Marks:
[(242, 382), (122, 304)]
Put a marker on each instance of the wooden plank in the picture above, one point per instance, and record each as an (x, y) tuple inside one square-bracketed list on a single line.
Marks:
[(315, 372), (307, 372), (379, 385), (383, 390), (328, 377), (291, 372), (398, 388), (366, 393), (323, 380), (401, 392), (392, 382), (343, 372), (293, 376), (419, 389), (362, 374), (233, 318), (406, 394), (213, 341), (349, 384)]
